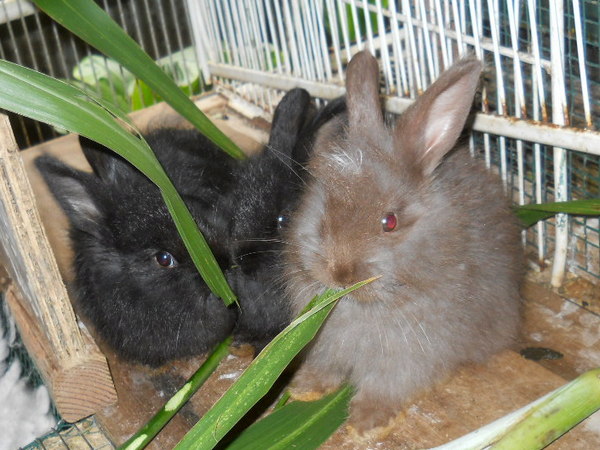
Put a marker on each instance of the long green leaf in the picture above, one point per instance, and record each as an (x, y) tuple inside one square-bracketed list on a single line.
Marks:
[(140, 439), (62, 105), (550, 419), (261, 374), (537, 424), (530, 214), (303, 425), (88, 21)]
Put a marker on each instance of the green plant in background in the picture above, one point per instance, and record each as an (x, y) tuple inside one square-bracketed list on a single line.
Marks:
[(88, 21), (352, 20), (117, 85)]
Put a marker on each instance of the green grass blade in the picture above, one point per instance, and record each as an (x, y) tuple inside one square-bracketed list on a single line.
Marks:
[(530, 214), (161, 418), (539, 423), (62, 105), (261, 374), (560, 412), (303, 425), (88, 21)]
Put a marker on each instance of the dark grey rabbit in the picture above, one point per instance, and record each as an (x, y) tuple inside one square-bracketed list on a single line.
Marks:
[(267, 189), (134, 279), (410, 205)]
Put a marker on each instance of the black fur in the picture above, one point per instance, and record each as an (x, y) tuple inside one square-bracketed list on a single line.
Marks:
[(146, 312), (266, 192), (119, 222)]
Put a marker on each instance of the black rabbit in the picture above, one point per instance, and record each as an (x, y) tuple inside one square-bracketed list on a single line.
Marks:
[(267, 189), (134, 278)]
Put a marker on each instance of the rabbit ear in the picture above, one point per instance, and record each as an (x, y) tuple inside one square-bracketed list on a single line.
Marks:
[(431, 126), (79, 193), (104, 162), (309, 132), (290, 115), (362, 91)]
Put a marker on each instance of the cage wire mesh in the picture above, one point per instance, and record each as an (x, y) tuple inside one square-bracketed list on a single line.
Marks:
[(542, 61), (83, 435), (542, 65)]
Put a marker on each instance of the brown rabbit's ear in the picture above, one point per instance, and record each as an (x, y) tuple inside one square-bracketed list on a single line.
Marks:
[(430, 127), (362, 94)]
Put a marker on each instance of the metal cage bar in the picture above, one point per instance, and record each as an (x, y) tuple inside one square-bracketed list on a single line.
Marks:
[(537, 105), (539, 108)]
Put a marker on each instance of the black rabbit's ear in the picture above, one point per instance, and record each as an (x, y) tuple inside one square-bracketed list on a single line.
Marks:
[(290, 115), (104, 162), (308, 134), (78, 193)]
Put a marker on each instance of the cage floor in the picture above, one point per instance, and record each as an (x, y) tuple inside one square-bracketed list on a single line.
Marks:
[(473, 397)]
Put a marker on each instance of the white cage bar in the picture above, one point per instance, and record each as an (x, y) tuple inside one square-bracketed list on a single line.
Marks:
[(536, 99), (539, 104)]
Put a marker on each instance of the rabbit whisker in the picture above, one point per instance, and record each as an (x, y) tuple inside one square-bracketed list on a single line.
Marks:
[(289, 163)]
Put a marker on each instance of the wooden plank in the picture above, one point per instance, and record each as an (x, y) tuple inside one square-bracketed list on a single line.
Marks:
[(74, 370)]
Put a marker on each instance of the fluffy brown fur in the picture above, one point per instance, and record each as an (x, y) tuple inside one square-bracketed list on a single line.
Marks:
[(450, 270)]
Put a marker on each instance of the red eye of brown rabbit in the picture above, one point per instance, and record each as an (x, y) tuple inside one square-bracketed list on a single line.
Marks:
[(165, 259), (389, 222)]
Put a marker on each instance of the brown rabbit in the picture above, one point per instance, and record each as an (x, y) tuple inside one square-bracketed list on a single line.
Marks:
[(410, 205)]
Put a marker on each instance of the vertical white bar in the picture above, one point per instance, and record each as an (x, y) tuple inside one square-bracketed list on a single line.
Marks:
[(476, 19), (500, 93), (345, 31), (531, 8), (458, 28), (296, 27), (475, 28), (582, 67), (428, 46), (335, 28), (368, 28), (513, 22), (357, 30), (281, 33), (310, 36), (538, 170), (291, 39), (201, 38), (324, 51), (384, 48), (559, 117), (402, 86), (413, 46), (442, 26)]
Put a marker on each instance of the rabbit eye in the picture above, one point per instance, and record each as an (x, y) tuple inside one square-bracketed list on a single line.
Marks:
[(165, 259), (389, 222), (282, 221)]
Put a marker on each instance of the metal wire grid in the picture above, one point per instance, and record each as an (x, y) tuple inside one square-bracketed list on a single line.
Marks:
[(30, 38), (542, 65), (258, 48), (83, 435)]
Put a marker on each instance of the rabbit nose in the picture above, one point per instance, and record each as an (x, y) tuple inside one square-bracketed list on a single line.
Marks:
[(343, 274)]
